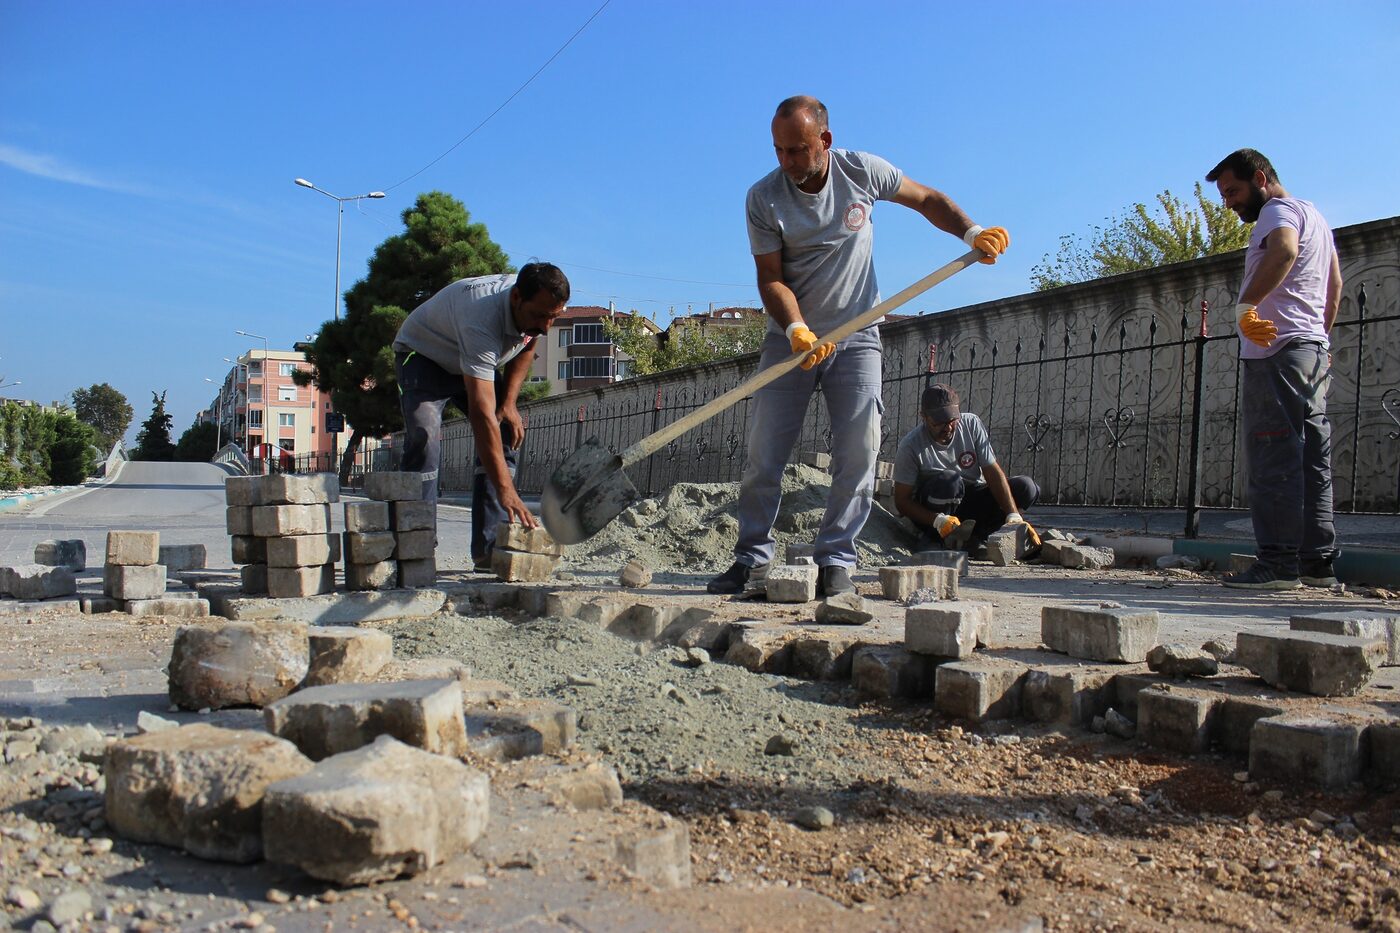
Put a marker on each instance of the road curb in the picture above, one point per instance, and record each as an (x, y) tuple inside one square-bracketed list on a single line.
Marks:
[(1368, 566)]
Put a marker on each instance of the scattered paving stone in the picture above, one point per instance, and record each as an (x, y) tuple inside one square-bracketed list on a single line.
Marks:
[(1178, 660), (69, 553), (133, 548), (1219, 650), (237, 664), (134, 581), (659, 855), (947, 629), (791, 583), (41, 581), (514, 536), (177, 558), (635, 574), (508, 729), (342, 654), (1099, 633), (1311, 662), (898, 583), (814, 818), (325, 721), (1079, 556), (844, 609), (781, 745), (1116, 724)]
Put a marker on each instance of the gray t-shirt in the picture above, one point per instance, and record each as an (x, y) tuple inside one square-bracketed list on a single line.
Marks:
[(826, 237), (466, 328), (918, 457)]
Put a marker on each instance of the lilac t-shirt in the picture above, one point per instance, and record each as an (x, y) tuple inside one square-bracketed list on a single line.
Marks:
[(1297, 307)]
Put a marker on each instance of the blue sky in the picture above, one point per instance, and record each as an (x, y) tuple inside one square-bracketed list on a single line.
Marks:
[(147, 149)]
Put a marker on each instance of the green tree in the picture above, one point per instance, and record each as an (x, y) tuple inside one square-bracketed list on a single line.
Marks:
[(198, 444), (352, 359), (40, 446), (534, 391), (686, 344), (105, 409), (72, 458), (1144, 239), (153, 440)]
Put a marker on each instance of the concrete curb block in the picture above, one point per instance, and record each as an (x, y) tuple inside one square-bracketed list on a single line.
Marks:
[(1367, 566)]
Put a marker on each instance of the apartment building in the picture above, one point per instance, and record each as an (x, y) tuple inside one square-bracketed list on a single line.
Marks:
[(576, 353), (260, 403)]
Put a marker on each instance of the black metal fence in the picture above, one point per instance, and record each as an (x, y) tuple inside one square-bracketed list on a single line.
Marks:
[(1144, 414)]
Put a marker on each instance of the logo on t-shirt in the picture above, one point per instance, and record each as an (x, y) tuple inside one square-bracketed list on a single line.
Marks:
[(966, 459), (855, 216)]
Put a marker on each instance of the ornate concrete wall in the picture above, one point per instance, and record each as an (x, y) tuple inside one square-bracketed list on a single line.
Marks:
[(1089, 388)]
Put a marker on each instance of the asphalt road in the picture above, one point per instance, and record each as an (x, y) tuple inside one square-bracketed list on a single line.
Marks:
[(183, 501)]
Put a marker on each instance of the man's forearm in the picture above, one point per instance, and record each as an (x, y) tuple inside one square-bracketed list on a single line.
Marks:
[(780, 302), (516, 372)]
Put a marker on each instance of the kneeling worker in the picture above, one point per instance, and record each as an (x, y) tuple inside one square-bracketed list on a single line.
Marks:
[(947, 481)]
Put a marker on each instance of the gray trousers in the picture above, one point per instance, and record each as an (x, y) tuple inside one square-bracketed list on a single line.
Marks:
[(850, 382), (1288, 450)]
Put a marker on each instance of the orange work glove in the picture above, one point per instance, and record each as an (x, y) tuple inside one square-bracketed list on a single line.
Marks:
[(803, 341), (1253, 327), (992, 240)]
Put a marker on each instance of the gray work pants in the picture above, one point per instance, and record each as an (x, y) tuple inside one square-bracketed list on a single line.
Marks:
[(1288, 451), (850, 381)]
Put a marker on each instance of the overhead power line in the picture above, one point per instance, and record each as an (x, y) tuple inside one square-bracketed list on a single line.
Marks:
[(504, 103)]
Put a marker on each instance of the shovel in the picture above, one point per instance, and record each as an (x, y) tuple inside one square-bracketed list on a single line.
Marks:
[(591, 487)]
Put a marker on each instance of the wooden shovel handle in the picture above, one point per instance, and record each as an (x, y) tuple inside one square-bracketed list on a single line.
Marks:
[(652, 443)]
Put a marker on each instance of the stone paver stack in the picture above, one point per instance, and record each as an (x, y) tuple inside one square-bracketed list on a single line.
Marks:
[(524, 555), (281, 528), (391, 540), (132, 570)]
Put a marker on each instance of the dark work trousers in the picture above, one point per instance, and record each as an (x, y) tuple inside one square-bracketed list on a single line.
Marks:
[(425, 388), (948, 492), (1288, 451)]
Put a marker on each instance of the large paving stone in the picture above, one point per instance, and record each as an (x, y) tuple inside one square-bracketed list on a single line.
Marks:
[(507, 729), (791, 583), (887, 671), (1235, 718), (1063, 694), (1371, 624), (1311, 662), (699, 628), (844, 609), (1007, 545), (822, 657), (643, 622), (760, 647), (1083, 557), (247, 549), (197, 788), (366, 517), (376, 813), (521, 567), (328, 720), (346, 654), (1127, 687), (412, 516), (415, 545), (239, 520), (298, 582), (516, 537), (300, 488), (368, 547), (133, 548), (898, 583), (303, 550), (956, 560), (1308, 748), (41, 581), (393, 487), (133, 581), (417, 573), (170, 607), (1178, 720), (252, 580), (979, 690), (68, 552), (272, 521), (1099, 634), (244, 491), (177, 558), (947, 629), (340, 608), (383, 575), (237, 663)]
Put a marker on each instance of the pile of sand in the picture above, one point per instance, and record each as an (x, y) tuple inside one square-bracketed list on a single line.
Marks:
[(691, 528)]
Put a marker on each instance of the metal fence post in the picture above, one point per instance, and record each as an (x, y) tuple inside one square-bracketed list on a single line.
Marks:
[(1193, 477), (655, 426)]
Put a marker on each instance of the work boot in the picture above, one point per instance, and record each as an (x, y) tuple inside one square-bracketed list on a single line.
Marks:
[(1317, 573), (833, 581), (739, 578), (1259, 577)]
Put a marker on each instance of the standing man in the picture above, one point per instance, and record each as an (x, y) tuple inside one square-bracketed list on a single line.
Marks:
[(1292, 287), (448, 350), (947, 480), (810, 233)]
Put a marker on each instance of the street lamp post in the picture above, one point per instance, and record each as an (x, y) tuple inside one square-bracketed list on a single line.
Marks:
[(339, 219), (244, 333)]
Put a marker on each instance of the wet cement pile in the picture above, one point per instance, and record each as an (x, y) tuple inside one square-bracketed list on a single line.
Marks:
[(692, 528)]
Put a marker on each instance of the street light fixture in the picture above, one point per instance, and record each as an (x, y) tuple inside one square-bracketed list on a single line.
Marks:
[(249, 421), (339, 219)]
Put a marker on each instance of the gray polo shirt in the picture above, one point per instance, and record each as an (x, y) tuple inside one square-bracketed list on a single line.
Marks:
[(825, 238), (918, 457), (466, 328)]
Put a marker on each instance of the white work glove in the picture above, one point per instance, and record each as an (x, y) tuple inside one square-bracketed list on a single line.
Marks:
[(1015, 519)]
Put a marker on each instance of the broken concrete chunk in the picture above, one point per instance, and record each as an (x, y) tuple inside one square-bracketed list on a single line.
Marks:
[(177, 558), (1178, 660), (197, 788), (514, 536), (844, 609), (948, 630), (791, 583), (393, 487), (69, 552), (41, 581), (376, 813), (1099, 634), (130, 581), (1007, 545), (237, 663), (327, 720), (635, 574), (366, 517), (133, 548), (346, 654), (1080, 556), (1311, 662)]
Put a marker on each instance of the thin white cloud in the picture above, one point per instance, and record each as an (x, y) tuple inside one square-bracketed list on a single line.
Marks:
[(46, 166)]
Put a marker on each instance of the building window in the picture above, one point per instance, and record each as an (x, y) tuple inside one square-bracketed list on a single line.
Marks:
[(565, 336), (592, 367), (286, 393), (624, 368), (564, 370), (286, 420), (255, 418), (255, 393), (286, 369), (255, 368), (589, 333)]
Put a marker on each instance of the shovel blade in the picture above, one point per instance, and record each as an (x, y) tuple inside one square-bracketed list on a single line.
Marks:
[(588, 490)]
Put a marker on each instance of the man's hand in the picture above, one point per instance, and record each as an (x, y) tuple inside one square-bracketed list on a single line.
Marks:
[(1253, 327), (803, 341), (992, 241), (1015, 519), (512, 426), (516, 509)]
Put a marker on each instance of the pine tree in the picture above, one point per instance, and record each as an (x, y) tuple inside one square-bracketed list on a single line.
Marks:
[(153, 442)]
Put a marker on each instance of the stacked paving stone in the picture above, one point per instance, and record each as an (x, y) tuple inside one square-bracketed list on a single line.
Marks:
[(391, 540), (132, 570), (524, 555), (281, 528)]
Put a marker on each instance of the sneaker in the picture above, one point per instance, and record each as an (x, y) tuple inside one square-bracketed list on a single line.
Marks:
[(1259, 577), (1317, 573), (482, 564), (833, 581), (739, 578)]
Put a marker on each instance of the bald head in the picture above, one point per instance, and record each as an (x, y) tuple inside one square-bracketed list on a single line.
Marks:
[(808, 106)]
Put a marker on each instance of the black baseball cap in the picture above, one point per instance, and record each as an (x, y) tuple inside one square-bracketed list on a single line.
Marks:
[(940, 402)]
